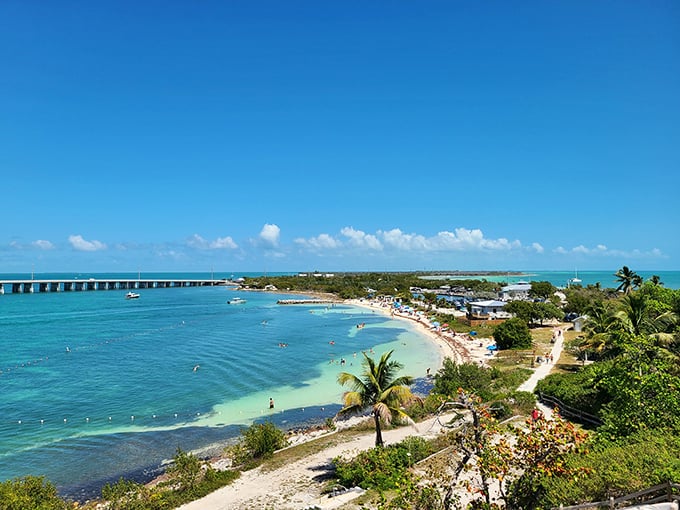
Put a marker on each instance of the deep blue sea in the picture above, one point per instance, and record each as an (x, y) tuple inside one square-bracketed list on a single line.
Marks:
[(94, 386)]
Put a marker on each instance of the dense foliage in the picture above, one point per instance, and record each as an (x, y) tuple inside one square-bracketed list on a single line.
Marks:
[(189, 478), (382, 468), (260, 440), (512, 334), (30, 493), (635, 463), (488, 383), (533, 312), (358, 285)]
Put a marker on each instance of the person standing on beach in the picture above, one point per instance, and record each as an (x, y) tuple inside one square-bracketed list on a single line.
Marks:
[(271, 403)]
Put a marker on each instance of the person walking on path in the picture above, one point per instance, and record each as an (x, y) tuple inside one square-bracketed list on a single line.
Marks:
[(544, 369)]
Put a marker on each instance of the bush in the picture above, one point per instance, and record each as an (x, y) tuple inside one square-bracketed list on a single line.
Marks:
[(382, 468), (579, 390), (261, 440), (185, 470), (512, 334), (640, 461), (469, 376), (30, 493)]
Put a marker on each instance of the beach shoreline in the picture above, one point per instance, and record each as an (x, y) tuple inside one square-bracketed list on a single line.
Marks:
[(460, 348), (450, 345)]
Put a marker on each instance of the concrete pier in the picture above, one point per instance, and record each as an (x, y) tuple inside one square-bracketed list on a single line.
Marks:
[(42, 286)]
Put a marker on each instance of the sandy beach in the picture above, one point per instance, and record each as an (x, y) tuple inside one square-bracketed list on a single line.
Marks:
[(297, 485), (461, 348)]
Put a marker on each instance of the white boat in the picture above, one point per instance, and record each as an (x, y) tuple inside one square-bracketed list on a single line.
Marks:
[(575, 279), (131, 295), (236, 301)]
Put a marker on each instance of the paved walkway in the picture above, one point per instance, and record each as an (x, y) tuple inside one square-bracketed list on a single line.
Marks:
[(542, 370)]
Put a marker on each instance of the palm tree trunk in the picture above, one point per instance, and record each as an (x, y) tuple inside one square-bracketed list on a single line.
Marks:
[(378, 432)]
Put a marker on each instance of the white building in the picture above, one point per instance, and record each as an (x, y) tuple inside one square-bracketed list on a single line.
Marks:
[(490, 308), (516, 291)]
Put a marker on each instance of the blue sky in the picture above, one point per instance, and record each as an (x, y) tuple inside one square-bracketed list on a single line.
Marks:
[(331, 136)]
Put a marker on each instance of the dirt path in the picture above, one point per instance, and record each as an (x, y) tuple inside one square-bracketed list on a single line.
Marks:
[(296, 486)]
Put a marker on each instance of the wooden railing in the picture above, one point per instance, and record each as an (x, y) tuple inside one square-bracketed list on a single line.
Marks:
[(665, 492), (568, 411)]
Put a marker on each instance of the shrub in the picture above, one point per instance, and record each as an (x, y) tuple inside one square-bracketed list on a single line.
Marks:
[(185, 470), (30, 493), (382, 468), (640, 461), (261, 440), (579, 390), (512, 334), (469, 376)]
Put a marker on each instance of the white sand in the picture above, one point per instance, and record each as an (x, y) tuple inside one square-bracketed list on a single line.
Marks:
[(294, 486), (461, 348)]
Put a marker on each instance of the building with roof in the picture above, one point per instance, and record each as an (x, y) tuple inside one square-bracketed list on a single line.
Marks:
[(516, 291)]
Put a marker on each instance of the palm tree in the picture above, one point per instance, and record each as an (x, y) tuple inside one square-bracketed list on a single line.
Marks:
[(378, 389), (628, 279), (655, 279)]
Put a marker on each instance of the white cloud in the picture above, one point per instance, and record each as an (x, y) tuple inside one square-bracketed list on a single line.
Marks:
[(224, 242), (220, 243), (537, 248), (81, 244), (42, 244), (460, 240), (601, 250), (322, 241), (401, 241), (269, 235), (360, 239)]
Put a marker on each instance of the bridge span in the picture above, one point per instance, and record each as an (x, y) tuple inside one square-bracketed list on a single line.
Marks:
[(75, 285)]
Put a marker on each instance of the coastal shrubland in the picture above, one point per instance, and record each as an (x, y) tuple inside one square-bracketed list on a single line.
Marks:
[(30, 493), (188, 478), (259, 441)]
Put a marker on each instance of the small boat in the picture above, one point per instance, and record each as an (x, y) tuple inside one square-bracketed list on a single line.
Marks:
[(236, 301), (575, 280), (131, 295)]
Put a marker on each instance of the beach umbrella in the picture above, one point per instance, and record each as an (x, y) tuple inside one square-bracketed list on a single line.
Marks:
[(435, 323), (473, 333), (445, 325), (492, 347)]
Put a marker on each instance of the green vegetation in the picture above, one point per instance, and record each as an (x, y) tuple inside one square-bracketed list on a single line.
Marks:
[(382, 468), (628, 376), (189, 479), (259, 441), (360, 285), (30, 493), (512, 334), (634, 388), (378, 389)]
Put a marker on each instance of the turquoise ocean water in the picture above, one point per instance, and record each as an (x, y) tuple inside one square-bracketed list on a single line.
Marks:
[(94, 386)]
